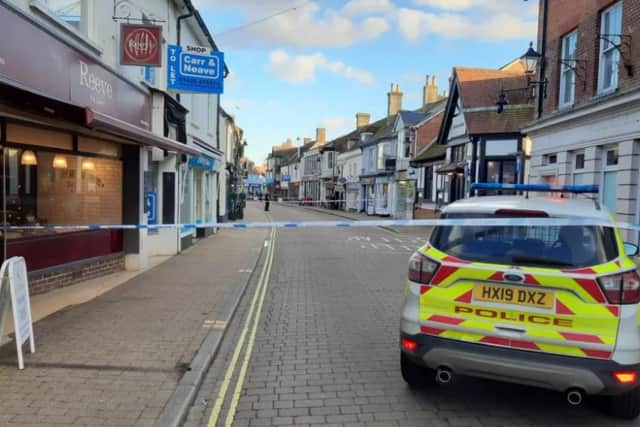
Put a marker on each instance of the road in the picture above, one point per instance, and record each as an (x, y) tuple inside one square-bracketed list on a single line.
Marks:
[(324, 348)]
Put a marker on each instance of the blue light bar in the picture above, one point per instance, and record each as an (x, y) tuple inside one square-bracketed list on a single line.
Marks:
[(577, 189)]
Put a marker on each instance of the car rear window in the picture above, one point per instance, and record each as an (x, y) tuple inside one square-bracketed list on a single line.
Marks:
[(539, 246)]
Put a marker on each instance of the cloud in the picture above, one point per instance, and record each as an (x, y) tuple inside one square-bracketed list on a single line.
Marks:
[(302, 68), (448, 4), (306, 26), (366, 7), (414, 24), (234, 106), (505, 6)]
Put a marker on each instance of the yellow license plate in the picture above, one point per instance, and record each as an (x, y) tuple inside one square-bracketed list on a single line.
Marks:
[(514, 295)]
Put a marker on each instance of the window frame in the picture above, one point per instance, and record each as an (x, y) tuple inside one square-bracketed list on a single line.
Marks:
[(566, 70), (606, 47)]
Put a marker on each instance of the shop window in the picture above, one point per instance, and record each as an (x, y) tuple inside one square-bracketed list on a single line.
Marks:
[(33, 136), (610, 31), (95, 146), (579, 161), (44, 188)]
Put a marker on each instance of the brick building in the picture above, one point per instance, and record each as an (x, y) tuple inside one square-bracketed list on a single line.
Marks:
[(587, 131)]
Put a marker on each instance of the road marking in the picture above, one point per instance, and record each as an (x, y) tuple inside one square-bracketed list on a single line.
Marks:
[(363, 247), (385, 240), (235, 398), (407, 248), (245, 270), (374, 246), (398, 240), (389, 246), (214, 324), (226, 382)]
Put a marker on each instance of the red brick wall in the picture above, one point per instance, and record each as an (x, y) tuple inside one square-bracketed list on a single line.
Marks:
[(584, 15)]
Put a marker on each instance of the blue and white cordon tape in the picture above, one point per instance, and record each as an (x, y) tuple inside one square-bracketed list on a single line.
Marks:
[(549, 222)]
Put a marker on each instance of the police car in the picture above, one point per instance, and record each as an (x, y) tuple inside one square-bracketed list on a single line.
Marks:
[(552, 306)]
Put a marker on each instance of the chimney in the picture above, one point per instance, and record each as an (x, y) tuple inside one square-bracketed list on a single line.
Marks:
[(430, 90), (394, 100), (321, 135), (307, 140), (362, 120)]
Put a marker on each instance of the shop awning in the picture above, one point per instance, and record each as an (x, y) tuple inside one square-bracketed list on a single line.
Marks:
[(106, 123), (452, 168)]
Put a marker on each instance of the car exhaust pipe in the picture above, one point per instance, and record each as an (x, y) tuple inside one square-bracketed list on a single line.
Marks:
[(444, 375), (575, 397)]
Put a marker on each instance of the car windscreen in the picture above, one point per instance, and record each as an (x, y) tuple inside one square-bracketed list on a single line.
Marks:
[(537, 246)]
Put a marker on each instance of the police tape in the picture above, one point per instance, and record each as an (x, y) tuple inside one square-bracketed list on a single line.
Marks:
[(460, 222)]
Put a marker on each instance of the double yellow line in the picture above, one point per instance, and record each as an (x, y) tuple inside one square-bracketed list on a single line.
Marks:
[(250, 328)]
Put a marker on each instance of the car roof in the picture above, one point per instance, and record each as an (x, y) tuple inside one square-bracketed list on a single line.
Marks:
[(554, 207)]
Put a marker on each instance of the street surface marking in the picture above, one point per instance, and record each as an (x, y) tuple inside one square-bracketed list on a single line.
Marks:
[(247, 355), (226, 382), (385, 240), (214, 324), (407, 248), (245, 270)]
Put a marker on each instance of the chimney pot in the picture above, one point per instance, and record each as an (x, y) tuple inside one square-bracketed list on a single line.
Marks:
[(394, 100), (430, 93), (362, 120), (321, 135)]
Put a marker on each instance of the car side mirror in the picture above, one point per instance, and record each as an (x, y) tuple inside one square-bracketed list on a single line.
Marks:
[(630, 249)]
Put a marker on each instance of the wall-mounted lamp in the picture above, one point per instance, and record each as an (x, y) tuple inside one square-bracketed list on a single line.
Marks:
[(28, 158), (530, 59), (59, 162), (623, 46)]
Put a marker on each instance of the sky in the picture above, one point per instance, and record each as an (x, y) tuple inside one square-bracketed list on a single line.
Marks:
[(320, 64)]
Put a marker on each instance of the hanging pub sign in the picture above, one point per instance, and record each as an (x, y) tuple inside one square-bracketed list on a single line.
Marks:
[(140, 45), (195, 69)]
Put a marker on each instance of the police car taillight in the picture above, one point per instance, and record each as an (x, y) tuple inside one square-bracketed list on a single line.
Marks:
[(421, 268), (622, 288)]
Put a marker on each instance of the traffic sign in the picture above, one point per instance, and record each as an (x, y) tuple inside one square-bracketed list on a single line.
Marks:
[(151, 199), (195, 69)]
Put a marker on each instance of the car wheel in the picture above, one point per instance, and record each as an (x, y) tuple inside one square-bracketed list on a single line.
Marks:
[(626, 405), (415, 375)]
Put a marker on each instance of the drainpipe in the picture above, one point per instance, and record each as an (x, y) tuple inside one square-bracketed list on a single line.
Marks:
[(543, 53), (178, 34)]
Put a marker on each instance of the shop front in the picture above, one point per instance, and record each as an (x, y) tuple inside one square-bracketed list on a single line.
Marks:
[(205, 174), (368, 201), (71, 132)]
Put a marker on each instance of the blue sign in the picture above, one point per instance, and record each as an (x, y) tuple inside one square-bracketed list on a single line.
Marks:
[(286, 178), (151, 199), (270, 181), (202, 162), (518, 164), (195, 69)]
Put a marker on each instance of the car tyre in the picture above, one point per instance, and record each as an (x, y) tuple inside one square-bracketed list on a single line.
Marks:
[(626, 405), (414, 375)]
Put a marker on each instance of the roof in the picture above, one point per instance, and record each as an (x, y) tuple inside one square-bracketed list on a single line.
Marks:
[(341, 144), (554, 207), (480, 87), (431, 152), (511, 120), (411, 118)]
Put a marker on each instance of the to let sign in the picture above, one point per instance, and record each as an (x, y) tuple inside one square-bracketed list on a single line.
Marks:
[(140, 45), (195, 69)]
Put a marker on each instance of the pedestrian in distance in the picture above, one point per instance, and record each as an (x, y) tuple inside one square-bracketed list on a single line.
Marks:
[(266, 202)]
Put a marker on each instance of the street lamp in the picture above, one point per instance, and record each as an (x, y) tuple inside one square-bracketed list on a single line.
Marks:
[(530, 59)]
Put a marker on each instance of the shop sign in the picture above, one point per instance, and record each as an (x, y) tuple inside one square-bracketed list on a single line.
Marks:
[(286, 178), (383, 180), (18, 293), (56, 70), (195, 69), (202, 162), (140, 45)]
